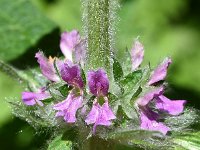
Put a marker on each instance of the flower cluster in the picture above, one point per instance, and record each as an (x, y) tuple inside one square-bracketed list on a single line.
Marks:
[(149, 117), (68, 70), (151, 104)]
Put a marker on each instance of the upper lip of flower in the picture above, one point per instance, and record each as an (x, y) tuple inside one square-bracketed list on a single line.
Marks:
[(71, 74), (47, 67), (98, 82)]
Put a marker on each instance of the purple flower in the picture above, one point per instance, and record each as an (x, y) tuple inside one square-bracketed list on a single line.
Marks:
[(172, 107), (160, 72), (47, 67), (137, 54), (98, 82), (148, 122), (71, 74), (100, 115), (149, 118), (31, 98), (69, 107), (143, 101), (68, 42)]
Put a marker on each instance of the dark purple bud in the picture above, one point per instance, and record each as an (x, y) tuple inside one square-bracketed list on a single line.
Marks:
[(98, 82), (71, 74)]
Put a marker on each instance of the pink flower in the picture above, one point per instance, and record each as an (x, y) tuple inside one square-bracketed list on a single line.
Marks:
[(98, 82), (137, 54), (32, 98), (71, 73), (160, 72), (69, 107), (100, 115), (68, 42), (47, 67), (149, 118)]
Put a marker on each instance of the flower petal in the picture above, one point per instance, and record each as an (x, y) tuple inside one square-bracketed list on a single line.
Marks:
[(80, 52), (47, 67), (60, 114), (31, 98), (160, 72), (105, 116), (68, 42), (143, 101), (152, 125), (93, 114), (76, 103), (69, 107), (100, 115), (71, 74), (64, 104), (137, 54), (173, 107), (109, 113), (98, 82)]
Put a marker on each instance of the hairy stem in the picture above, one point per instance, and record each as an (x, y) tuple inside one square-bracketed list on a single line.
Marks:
[(99, 28)]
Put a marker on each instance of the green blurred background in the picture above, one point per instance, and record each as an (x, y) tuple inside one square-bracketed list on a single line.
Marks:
[(166, 28)]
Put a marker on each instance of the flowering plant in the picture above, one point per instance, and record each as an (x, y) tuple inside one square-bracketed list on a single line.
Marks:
[(88, 97)]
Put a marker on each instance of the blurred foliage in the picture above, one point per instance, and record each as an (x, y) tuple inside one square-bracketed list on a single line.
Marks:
[(21, 28), (169, 28)]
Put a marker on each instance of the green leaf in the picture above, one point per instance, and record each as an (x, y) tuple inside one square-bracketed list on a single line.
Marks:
[(188, 141), (112, 98), (64, 90), (38, 117), (129, 109), (129, 81), (117, 70), (83, 76), (126, 61), (138, 137), (18, 75), (22, 25), (59, 144), (59, 90), (131, 86)]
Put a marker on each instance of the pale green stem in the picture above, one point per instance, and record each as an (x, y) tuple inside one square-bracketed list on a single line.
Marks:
[(99, 28)]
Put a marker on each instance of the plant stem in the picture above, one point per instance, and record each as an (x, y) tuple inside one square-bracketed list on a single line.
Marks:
[(99, 19)]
